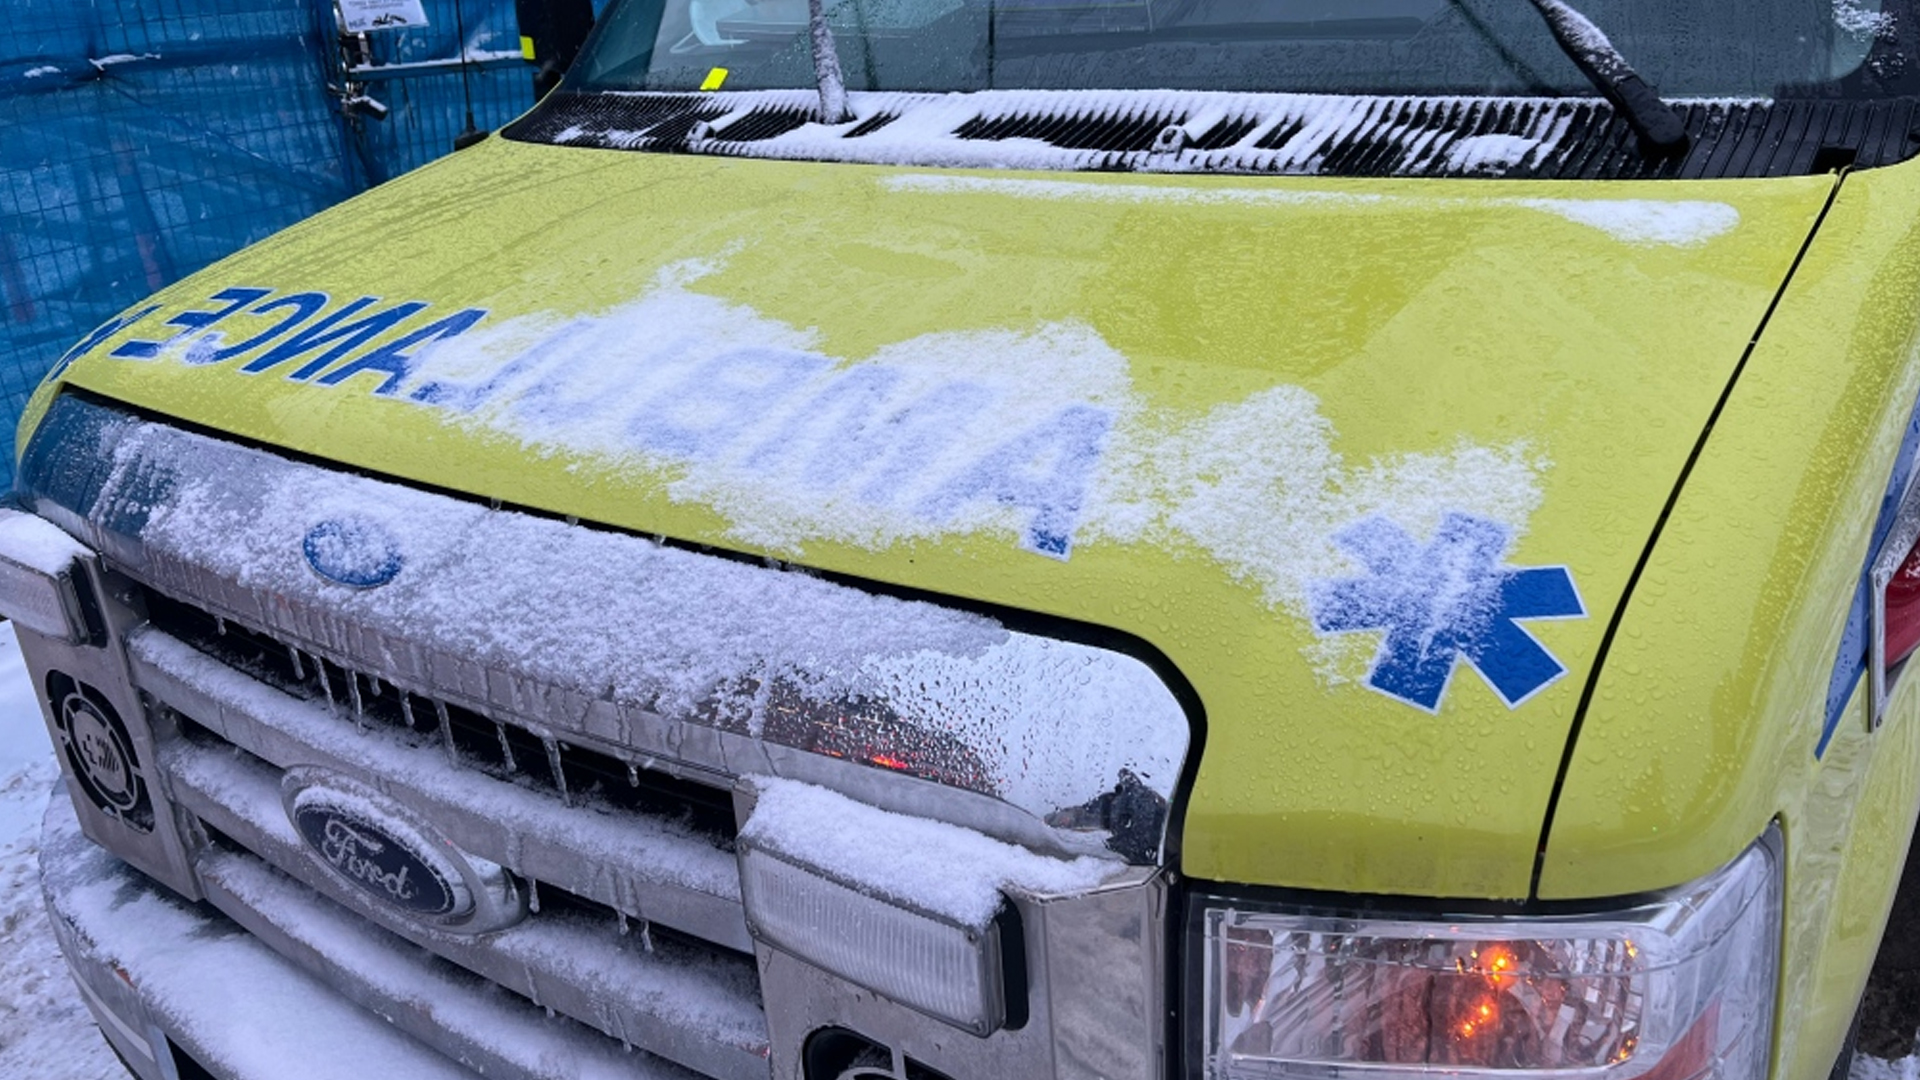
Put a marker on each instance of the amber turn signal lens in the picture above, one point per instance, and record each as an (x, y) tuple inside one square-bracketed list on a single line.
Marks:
[(1675, 989)]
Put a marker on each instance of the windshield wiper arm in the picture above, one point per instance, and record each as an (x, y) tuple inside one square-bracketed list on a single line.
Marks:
[(1662, 132), (826, 66)]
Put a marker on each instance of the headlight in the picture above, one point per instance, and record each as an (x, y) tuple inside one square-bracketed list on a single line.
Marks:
[(1675, 988)]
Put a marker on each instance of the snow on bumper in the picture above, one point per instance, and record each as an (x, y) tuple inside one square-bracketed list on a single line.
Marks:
[(157, 971)]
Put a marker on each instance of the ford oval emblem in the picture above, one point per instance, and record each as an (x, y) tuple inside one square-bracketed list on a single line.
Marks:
[(368, 844), (355, 552), (379, 854)]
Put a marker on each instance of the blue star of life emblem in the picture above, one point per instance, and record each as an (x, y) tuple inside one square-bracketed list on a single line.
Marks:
[(1446, 600)]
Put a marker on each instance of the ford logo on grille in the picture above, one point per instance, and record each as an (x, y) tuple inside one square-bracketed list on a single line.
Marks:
[(379, 854), (368, 845), (353, 551)]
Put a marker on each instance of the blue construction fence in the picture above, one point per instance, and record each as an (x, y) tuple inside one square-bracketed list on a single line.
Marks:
[(141, 140)]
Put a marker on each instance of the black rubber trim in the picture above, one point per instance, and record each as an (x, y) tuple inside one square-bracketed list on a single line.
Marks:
[(185, 1065), (1653, 539)]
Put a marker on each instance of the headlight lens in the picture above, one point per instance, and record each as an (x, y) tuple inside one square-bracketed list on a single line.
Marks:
[(1677, 988)]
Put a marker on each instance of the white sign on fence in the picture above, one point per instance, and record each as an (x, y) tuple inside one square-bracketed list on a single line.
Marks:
[(359, 15)]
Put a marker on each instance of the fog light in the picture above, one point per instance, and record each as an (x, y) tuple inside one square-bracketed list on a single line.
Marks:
[(943, 969), (38, 568)]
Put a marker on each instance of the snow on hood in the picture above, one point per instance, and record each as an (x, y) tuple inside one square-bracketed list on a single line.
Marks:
[(686, 635), (1037, 436), (1678, 223)]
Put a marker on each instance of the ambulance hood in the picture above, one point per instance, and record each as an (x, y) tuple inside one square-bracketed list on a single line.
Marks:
[(1368, 462)]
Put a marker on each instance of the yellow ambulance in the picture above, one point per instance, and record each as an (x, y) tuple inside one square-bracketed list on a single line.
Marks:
[(983, 539)]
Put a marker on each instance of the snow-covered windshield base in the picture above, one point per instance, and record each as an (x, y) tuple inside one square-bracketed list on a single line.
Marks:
[(1299, 87), (1244, 133)]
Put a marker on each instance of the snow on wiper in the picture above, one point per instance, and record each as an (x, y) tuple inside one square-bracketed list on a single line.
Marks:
[(826, 66), (1661, 131)]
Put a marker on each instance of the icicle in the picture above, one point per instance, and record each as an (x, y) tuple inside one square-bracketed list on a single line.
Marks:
[(533, 985), (446, 731), (550, 1012), (506, 750), (375, 685), (554, 763), (616, 1026), (646, 936), (633, 775), (220, 626), (406, 710), (533, 896), (326, 687), (299, 667), (621, 917), (359, 706)]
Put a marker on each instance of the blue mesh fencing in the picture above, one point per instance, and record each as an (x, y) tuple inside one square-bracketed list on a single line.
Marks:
[(415, 74), (141, 140)]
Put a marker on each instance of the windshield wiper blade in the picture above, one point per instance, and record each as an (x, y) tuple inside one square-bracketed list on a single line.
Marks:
[(1662, 132), (826, 66)]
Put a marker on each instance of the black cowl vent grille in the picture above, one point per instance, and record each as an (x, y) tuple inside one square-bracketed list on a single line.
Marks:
[(640, 122), (1108, 132), (1273, 134), (1226, 133), (764, 124)]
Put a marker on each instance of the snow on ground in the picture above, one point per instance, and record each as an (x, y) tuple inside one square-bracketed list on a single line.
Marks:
[(46, 1032), (1872, 1068)]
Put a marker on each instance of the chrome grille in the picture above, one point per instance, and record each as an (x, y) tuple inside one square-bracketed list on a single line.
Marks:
[(634, 926), (509, 750)]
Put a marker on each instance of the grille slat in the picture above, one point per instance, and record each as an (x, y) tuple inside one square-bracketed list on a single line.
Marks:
[(571, 956), (504, 750), (657, 867)]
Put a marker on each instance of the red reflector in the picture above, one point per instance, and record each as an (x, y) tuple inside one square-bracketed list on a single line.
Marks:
[(1903, 609)]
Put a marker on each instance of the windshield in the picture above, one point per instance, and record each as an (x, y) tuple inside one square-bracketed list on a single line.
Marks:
[(1686, 48)]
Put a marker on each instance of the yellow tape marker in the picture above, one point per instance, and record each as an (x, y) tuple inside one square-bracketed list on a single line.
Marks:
[(715, 79), (526, 46)]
